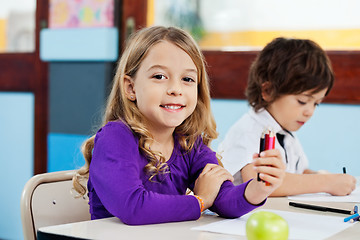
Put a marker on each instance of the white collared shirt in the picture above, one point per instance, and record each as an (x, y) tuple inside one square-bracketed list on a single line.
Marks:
[(243, 140)]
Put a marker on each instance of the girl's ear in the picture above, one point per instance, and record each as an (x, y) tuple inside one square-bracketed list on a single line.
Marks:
[(265, 91), (129, 88)]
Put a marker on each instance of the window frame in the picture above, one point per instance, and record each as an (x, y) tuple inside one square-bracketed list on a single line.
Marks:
[(228, 70)]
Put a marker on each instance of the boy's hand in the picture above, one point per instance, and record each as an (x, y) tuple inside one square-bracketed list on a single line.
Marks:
[(341, 184), (271, 169), (208, 184)]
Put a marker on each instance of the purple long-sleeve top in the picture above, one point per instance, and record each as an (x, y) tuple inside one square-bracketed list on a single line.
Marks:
[(119, 186)]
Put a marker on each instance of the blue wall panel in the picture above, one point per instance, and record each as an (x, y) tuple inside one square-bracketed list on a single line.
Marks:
[(77, 95), (79, 44), (330, 139), (64, 151), (16, 158), (226, 113)]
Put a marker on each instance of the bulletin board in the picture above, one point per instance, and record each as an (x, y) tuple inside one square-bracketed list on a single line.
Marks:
[(81, 13)]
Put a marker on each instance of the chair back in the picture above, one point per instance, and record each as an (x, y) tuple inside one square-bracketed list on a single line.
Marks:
[(49, 199)]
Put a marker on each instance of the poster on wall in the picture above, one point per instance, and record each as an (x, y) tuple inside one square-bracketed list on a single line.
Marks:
[(81, 13)]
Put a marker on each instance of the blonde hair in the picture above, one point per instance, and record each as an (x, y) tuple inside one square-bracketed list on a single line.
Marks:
[(200, 123)]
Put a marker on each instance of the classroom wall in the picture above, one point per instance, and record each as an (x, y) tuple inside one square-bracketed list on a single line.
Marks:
[(16, 158)]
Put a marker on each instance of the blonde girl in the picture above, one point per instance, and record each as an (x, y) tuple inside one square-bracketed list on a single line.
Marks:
[(155, 138)]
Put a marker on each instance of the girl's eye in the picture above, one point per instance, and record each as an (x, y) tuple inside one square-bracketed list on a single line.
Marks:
[(159, 76), (188, 79), (316, 104)]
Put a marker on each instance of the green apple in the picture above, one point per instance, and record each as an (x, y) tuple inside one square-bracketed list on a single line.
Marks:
[(266, 226)]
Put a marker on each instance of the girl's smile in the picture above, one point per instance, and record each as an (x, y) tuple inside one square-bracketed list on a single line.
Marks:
[(173, 107)]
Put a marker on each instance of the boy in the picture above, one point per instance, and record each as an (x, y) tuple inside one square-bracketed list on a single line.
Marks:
[(288, 79)]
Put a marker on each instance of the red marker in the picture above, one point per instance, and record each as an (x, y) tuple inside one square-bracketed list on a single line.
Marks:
[(267, 142)]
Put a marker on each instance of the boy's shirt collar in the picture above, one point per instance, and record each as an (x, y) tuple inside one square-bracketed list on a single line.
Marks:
[(267, 120)]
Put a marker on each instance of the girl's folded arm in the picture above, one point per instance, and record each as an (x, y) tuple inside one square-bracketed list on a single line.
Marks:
[(231, 202)]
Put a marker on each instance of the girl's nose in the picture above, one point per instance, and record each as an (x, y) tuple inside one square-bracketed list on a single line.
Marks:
[(174, 88)]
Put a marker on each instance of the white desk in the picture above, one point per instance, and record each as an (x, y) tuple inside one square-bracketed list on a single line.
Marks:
[(113, 228)]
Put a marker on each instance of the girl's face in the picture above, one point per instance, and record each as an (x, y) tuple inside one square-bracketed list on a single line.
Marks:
[(293, 111), (165, 87)]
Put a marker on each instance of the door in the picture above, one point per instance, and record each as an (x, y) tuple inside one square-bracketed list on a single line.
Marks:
[(25, 72)]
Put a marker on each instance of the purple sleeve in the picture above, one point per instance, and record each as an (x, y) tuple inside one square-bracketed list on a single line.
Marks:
[(230, 202), (115, 173)]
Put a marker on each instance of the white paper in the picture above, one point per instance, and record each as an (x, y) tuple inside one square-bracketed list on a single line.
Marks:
[(301, 225), (325, 197)]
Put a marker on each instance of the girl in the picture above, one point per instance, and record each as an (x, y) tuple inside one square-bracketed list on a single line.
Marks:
[(154, 143)]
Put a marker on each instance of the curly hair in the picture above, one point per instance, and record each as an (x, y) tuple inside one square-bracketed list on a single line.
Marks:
[(200, 123), (288, 66)]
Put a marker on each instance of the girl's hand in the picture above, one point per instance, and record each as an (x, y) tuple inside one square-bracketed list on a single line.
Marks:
[(271, 169), (208, 184)]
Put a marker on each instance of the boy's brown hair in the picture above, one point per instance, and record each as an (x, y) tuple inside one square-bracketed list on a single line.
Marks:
[(288, 66)]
